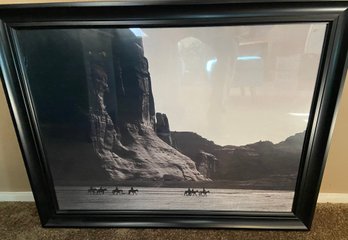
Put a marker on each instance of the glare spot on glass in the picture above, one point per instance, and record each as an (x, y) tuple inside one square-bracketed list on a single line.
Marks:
[(138, 32), (299, 114), (248, 58), (210, 64)]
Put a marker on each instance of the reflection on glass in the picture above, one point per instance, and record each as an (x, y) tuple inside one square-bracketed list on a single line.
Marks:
[(174, 113)]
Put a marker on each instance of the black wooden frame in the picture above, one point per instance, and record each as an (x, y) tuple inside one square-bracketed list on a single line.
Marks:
[(156, 13)]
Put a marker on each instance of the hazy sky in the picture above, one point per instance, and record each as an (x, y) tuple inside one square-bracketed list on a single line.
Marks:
[(235, 85)]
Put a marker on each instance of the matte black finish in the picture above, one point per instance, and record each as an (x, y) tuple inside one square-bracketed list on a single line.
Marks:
[(178, 13)]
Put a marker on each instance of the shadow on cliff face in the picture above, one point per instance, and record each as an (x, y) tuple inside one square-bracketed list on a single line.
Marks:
[(128, 145), (94, 103)]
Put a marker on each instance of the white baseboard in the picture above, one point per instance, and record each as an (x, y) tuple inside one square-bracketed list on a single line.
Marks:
[(333, 198), (28, 197), (16, 197)]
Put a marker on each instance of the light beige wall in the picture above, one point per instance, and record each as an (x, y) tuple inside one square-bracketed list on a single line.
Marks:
[(14, 178), (335, 175), (12, 172)]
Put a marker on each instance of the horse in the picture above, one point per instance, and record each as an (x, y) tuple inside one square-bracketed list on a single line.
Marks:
[(92, 190), (190, 192), (194, 192), (117, 191), (203, 193), (133, 191), (101, 190)]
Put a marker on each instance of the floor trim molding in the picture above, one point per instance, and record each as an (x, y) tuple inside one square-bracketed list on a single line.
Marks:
[(16, 197), (333, 198), (28, 197)]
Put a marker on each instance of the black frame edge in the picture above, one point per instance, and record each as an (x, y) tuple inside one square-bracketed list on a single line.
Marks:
[(336, 74), (310, 183), (23, 128)]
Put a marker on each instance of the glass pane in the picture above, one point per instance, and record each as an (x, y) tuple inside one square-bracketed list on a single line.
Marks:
[(192, 118)]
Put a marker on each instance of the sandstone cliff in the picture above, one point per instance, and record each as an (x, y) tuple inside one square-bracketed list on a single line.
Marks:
[(128, 146), (95, 107)]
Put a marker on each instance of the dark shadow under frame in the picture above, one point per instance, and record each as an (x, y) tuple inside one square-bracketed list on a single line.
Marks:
[(166, 14)]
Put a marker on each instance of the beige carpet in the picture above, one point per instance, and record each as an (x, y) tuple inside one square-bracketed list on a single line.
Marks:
[(20, 221)]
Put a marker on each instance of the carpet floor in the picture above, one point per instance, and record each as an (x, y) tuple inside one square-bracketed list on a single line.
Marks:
[(19, 220)]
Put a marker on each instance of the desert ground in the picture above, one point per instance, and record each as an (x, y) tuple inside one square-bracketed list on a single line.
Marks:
[(148, 198)]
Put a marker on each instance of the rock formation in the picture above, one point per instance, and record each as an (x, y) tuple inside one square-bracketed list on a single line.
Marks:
[(268, 165), (162, 128), (92, 90), (94, 104), (206, 164), (128, 146)]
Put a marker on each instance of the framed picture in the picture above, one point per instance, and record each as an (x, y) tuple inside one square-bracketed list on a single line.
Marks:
[(175, 113)]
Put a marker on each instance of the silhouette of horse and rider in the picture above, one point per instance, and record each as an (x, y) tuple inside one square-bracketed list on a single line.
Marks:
[(204, 192), (192, 192), (116, 191), (94, 190), (133, 191)]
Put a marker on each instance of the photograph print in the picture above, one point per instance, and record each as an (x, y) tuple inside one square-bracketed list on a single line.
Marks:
[(176, 118)]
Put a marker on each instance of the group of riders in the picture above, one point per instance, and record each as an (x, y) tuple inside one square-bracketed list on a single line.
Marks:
[(192, 192), (132, 191), (116, 191)]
